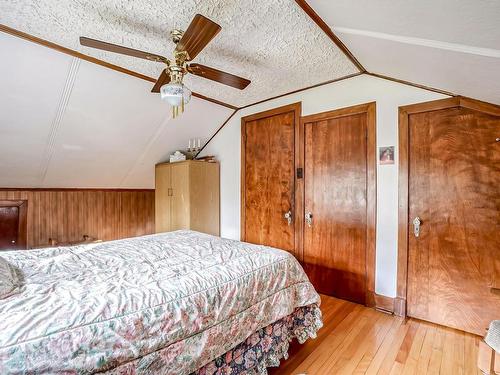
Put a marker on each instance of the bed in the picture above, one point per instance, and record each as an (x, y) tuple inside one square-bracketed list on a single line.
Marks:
[(174, 303)]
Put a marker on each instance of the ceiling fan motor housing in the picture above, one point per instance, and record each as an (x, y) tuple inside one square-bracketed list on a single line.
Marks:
[(176, 35)]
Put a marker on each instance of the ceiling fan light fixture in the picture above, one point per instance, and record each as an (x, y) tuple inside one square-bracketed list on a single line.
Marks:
[(175, 94), (186, 94), (172, 93), (188, 45)]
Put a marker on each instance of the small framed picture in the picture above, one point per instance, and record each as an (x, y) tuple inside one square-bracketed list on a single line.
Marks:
[(386, 155)]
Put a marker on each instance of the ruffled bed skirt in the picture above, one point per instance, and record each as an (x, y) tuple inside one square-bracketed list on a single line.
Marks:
[(262, 349), (266, 347)]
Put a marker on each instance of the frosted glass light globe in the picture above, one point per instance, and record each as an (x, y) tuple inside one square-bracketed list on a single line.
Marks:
[(173, 93), (187, 95)]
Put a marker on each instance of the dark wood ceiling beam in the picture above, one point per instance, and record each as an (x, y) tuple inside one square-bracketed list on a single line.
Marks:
[(217, 132), (328, 31), (407, 83), (68, 51), (215, 101)]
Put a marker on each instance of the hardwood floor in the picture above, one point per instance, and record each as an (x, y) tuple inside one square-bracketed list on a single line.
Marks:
[(359, 340)]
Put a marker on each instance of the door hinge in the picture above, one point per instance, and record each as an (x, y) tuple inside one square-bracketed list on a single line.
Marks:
[(300, 173)]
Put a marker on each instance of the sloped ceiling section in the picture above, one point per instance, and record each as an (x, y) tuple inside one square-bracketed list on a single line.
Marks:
[(65, 122), (452, 45), (273, 43)]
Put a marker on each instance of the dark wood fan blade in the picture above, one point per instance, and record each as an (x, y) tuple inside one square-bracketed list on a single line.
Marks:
[(120, 49), (163, 79), (199, 33), (218, 76)]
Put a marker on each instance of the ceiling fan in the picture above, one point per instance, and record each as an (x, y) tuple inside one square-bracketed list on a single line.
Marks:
[(188, 45)]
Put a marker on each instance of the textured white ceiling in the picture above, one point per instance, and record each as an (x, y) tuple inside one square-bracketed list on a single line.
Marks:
[(273, 43), (65, 122), (452, 45)]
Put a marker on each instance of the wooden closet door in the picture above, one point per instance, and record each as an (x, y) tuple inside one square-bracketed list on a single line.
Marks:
[(268, 178), (163, 198), (336, 196), (9, 227), (454, 189), (180, 212)]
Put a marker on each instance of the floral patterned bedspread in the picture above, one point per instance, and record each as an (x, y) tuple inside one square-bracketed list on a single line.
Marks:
[(188, 296)]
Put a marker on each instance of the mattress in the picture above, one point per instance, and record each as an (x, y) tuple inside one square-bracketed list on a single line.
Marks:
[(185, 296)]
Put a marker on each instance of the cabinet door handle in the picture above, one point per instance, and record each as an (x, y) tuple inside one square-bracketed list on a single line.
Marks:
[(170, 192), (309, 219), (416, 226), (288, 217)]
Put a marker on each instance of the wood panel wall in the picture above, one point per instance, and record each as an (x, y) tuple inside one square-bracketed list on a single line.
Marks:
[(66, 215)]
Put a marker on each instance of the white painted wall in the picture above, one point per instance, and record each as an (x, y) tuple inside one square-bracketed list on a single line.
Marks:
[(358, 90)]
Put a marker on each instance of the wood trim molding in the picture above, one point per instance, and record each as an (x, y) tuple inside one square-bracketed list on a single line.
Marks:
[(404, 173), (371, 192), (434, 105), (217, 132), (402, 270), (22, 243), (11, 203), (328, 31), (299, 183), (400, 307), (297, 109), (478, 105), (68, 51), (273, 112), (383, 303), (215, 101), (341, 112), (371, 196), (407, 83)]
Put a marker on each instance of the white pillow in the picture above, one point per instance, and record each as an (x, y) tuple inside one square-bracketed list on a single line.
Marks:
[(9, 279)]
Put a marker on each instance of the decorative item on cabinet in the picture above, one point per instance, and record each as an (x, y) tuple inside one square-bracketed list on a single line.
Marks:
[(208, 159), (194, 146), (177, 156), (187, 196)]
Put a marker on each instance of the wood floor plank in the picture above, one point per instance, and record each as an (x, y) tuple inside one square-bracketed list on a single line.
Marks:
[(389, 349), (366, 342), (334, 313), (370, 363), (334, 343), (337, 361), (458, 353), (470, 354), (447, 359), (359, 340), (415, 350), (437, 352), (397, 368), (404, 350), (426, 351)]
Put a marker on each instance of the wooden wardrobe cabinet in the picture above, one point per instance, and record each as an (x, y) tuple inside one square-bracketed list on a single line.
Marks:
[(187, 196)]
